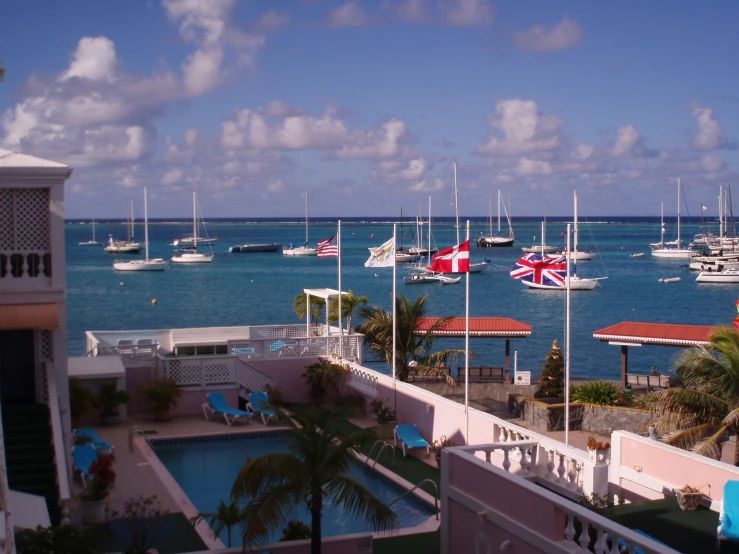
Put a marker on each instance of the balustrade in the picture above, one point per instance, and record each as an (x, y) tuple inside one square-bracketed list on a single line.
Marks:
[(362, 381), (25, 264)]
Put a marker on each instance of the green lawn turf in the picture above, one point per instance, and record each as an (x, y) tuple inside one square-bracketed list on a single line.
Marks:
[(175, 535)]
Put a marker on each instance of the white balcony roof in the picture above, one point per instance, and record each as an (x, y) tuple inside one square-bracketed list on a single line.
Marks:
[(324, 293), (16, 159)]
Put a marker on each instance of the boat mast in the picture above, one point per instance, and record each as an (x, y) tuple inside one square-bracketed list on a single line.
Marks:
[(306, 217), (456, 203), (491, 210), (146, 226), (576, 231), (429, 233), (662, 233), (721, 215), (130, 222), (544, 229), (678, 213), (194, 223), (93, 230)]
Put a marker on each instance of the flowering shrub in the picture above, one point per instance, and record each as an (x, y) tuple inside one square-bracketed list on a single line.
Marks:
[(381, 412), (597, 445), (441, 443), (102, 479), (144, 517)]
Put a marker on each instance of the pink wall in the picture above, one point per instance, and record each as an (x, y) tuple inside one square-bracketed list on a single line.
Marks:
[(135, 378), (347, 544), (664, 467), (288, 374)]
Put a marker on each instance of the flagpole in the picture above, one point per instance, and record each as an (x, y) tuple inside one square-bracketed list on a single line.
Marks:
[(567, 346), (467, 348), (395, 264), (341, 303)]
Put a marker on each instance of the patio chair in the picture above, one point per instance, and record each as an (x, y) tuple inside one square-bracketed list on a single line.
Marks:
[(145, 347), (125, 347), (217, 404), (728, 519), (94, 439), (258, 402), (83, 456), (410, 438)]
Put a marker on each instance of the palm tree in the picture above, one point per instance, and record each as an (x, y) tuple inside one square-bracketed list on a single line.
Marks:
[(410, 347), (316, 304), (349, 303), (312, 473), (226, 516), (702, 413)]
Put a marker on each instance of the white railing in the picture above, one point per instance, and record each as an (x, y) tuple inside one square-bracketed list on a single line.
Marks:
[(361, 380), (21, 269), (201, 371), (60, 452), (252, 379), (577, 538)]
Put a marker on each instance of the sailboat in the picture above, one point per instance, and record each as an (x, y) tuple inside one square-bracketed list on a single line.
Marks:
[(475, 267), (92, 242), (302, 249), (576, 254), (496, 240), (421, 274), (124, 246), (153, 264), (190, 255), (672, 249), (543, 248), (401, 255), (575, 282)]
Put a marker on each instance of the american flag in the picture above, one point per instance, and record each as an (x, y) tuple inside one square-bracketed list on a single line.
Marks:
[(328, 248), (549, 271)]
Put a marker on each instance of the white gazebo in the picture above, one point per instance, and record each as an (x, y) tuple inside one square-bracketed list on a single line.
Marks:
[(326, 294)]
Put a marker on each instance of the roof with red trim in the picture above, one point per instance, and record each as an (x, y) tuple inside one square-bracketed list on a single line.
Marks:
[(479, 327), (668, 334)]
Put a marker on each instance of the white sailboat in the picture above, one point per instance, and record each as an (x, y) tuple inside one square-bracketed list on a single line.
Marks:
[(191, 254), (496, 240), (421, 274), (543, 248), (576, 254), (672, 249), (92, 242), (475, 267), (153, 264), (575, 282), (303, 249), (124, 246)]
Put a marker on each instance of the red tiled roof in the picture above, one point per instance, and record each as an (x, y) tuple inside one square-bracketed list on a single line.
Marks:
[(655, 333), (479, 327)]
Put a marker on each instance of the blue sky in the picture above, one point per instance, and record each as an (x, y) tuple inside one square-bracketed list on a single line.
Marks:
[(367, 103)]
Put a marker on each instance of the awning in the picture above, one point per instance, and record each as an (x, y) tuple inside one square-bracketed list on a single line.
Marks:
[(15, 317)]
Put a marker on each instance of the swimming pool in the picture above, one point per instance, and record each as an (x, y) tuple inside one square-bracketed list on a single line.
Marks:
[(205, 469)]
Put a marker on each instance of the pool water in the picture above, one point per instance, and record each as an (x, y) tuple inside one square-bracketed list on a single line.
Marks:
[(206, 470)]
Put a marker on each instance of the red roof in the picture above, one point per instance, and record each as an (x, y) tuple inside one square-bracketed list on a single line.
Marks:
[(655, 333), (479, 327)]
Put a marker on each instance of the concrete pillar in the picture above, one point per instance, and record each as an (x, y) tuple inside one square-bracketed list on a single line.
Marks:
[(507, 377), (624, 365)]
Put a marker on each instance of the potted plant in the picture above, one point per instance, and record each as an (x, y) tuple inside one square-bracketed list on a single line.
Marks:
[(598, 450), (438, 445), (81, 400), (385, 417), (688, 497), (94, 497), (320, 377), (108, 400), (162, 395), (275, 395)]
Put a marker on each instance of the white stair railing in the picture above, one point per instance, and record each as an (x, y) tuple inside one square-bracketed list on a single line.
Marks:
[(60, 452)]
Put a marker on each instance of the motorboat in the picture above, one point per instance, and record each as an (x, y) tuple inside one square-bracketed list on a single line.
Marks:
[(725, 276), (256, 247)]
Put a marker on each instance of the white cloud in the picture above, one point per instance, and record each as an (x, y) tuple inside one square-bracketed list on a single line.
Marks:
[(627, 137), (427, 186), (712, 162), (276, 186), (415, 11), (351, 14), (710, 134), (467, 13), (270, 21), (94, 59), (527, 167), (540, 38), (278, 108), (584, 151), (524, 130), (172, 177)]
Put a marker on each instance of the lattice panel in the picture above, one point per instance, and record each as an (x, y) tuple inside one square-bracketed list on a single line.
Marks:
[(252, 379), (184, 372), (219, 372), (24, 219)]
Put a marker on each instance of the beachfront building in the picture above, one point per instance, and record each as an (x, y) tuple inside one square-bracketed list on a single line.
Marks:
[(33, 340)]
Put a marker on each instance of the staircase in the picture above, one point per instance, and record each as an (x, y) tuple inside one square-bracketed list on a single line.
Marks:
[(29, 453)]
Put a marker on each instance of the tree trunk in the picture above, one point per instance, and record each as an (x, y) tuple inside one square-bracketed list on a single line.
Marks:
[(315, 528)]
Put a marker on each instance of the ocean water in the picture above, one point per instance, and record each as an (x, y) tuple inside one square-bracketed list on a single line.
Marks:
[(258, 289)]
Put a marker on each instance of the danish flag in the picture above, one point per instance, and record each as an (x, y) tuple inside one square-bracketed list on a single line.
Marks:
[(453, 260), (548, 271)]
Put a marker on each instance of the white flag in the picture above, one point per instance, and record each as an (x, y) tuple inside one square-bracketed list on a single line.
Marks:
[(382, 256), (703, 208)]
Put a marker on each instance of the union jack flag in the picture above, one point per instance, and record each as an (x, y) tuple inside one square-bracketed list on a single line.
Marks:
[(547, 271)]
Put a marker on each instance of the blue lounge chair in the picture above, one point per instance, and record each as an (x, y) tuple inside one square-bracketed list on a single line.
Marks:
[(94, 439), (410, 438), (83, 456), (258, 402), (217, 404), (728, 519), (624, 547)]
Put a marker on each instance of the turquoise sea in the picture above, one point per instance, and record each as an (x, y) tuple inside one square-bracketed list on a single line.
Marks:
[(258, 289)]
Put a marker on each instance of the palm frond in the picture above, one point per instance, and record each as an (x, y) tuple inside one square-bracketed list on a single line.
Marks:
[(359, 501), (732, 419), (711, 445), (686, 438), (271, 510), (266, 471)]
